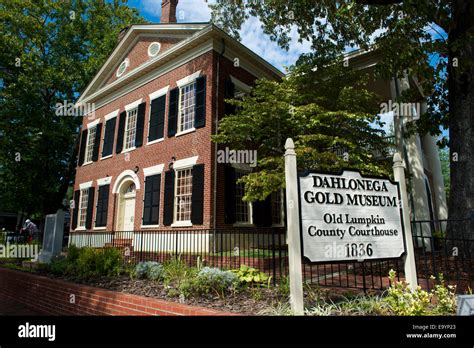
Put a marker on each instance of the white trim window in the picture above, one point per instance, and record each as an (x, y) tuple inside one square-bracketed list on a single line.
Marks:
[(183, 195), (187, 100), (83, 202), (243, 210), (130, 129), (90, 144)]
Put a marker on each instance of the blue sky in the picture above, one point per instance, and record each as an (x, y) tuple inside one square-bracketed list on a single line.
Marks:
[(252, 35)]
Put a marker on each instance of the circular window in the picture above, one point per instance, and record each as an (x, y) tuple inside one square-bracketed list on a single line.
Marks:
[(154, 49), (122, 67)]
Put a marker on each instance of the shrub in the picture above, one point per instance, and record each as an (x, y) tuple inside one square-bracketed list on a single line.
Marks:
[(403, 301), (89, 262), (155, 271), (86, 263), (445, 295), (251, 276), (59, 266), (176, 271), (150, 269), (73, 253), (209, 280), (109, 262), (140, 270)]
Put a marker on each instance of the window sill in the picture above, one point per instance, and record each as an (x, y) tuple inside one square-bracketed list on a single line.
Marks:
[(80, 229), (103, 158), (86, 163), (128, 150), (155, 141), (100, 228), (149, 226), (182, 224), (243, 224), (185, 132)]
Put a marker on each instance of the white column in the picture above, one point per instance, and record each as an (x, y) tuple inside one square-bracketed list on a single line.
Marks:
[(294, 236), (409, 260), (430, 149), (415, 167)]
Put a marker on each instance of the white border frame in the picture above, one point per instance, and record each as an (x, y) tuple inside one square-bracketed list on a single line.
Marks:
[(127, 64), (149, 171), (188, 79), (149, 46), (185, 163)]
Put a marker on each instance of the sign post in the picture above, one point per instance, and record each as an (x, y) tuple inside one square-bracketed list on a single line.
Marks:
[(345, 217), (410, 265), (293, 223)]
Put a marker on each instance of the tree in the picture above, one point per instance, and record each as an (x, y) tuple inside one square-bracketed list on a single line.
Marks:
[(429, 39), (49, 51), (329, 115)]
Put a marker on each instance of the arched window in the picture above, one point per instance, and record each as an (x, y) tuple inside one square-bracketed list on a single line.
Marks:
[(131, 188)]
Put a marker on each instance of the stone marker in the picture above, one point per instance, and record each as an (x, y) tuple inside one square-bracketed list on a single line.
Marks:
[(465, 305), (52, 237)]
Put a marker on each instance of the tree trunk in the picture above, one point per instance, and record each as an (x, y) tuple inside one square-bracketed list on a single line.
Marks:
[(461, 118)]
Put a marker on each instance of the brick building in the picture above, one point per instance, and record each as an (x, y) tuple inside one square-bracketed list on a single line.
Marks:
[(146, 159)]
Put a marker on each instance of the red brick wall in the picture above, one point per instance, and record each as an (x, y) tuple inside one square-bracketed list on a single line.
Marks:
[(52, 296), (188, 145), (138, 54)]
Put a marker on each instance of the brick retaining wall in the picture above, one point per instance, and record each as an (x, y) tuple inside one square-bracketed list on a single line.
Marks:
[(52, 296)]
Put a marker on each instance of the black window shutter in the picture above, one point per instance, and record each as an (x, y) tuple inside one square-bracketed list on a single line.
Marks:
[(197, 205), (102, 206), (121, 131), (257, 212), (173, 112), (90, 207), (229, 94), (82, 149), (109, 133), (267, 212), (75, 213), (140, 125), (151, 201), (95, 152), (229, 195), (157, 118), (169, 198), (200, 105)]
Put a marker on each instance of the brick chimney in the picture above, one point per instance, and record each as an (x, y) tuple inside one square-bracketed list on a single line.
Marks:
[(168, 11)]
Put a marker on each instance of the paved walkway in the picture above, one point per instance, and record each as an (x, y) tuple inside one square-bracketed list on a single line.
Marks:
[(8, 307)]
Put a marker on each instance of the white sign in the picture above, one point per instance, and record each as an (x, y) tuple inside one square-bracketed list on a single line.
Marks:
[(349, 217)]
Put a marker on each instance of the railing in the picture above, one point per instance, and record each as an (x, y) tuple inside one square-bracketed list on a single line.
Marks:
[(441, 247), (261, 248), (445, 247)]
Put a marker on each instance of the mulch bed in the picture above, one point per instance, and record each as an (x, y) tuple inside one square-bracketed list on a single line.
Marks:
[(249, 301), (246, 302)]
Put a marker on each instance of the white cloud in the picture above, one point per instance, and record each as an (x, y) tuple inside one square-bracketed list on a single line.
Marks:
[(252, 35)]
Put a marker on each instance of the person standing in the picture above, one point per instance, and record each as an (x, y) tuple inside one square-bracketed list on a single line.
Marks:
[(30, 228)]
